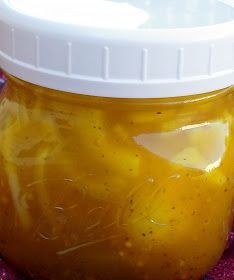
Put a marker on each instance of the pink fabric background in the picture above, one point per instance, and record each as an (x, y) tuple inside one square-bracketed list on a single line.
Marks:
[(223, 271)]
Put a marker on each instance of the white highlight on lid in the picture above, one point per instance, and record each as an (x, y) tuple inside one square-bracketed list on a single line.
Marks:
[(129, 14), (92, 13), (228, 2)]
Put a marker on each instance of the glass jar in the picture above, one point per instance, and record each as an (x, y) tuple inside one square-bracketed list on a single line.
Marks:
[(117, 138), (99, 188)]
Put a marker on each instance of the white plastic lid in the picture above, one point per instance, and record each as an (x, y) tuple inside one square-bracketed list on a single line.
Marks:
[(120, 48)]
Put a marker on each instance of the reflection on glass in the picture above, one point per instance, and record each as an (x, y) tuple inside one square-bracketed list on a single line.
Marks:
[(200, 146)]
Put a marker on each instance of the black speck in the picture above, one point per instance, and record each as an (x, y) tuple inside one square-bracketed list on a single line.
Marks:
[(143, 234), (159, 113)]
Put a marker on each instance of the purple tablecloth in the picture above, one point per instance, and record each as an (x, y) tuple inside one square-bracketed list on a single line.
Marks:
[(223, 271)]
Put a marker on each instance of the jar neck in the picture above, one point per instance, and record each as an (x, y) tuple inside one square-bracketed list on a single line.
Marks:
[(28, 90)]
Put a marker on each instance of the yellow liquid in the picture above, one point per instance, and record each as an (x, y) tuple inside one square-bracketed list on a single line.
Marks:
[(105, 189)]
